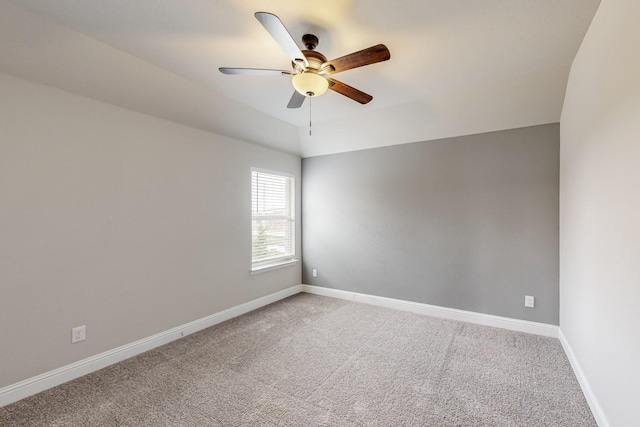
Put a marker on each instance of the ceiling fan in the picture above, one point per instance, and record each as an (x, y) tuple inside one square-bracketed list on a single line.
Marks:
[(311, 68)]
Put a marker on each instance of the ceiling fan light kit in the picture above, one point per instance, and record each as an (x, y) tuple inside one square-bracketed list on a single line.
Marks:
[(310, 67), (309, 83)]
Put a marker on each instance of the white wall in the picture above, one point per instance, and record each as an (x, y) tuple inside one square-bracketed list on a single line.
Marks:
[(600, 211), (125, 223)]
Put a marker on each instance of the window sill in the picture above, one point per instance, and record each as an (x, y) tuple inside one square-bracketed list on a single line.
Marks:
[(275, 266)]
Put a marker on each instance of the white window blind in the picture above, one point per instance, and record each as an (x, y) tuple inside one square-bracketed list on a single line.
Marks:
[(272, 218)]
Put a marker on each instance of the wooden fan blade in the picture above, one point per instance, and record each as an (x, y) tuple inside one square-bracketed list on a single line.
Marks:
[(371, 55), (279, 32), (254, 71), (349, 92), (296, 100)]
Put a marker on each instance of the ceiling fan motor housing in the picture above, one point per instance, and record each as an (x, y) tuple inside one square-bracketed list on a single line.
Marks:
[(315, 60)]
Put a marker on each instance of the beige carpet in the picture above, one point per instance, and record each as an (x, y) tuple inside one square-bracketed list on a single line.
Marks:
[(310, 360)]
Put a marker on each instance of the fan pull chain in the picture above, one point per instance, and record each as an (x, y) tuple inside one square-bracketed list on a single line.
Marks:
[(310, 115)]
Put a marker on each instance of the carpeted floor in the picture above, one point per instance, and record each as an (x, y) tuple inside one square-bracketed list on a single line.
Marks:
[(311, 360)]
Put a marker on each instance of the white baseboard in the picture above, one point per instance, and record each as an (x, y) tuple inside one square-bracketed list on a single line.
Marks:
[(441, 312), (30, 386), (596, 409)]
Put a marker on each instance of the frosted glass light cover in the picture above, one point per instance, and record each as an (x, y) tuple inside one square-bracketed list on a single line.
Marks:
[(310, 84)]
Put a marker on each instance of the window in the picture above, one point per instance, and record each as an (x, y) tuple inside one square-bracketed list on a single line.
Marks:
[(272, 219)]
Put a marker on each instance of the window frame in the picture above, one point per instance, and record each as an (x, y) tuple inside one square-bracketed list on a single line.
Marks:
[(288, 259)]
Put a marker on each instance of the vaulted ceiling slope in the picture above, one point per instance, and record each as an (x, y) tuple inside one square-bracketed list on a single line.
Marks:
[(457, 67)]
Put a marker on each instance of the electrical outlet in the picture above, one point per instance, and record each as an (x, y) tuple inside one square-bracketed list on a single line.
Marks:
[(528, 301), (78, 334), (314, 272)]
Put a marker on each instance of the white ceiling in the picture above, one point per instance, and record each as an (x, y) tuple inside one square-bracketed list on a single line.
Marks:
[(457, 67)]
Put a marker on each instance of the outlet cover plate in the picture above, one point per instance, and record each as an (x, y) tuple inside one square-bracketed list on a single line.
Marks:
[(528, 301), (78, 334)]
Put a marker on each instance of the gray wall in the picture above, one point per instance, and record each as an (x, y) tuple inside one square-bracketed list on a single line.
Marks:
[(468, 223), (115, 220)]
